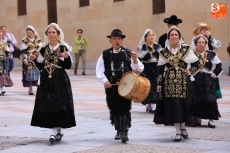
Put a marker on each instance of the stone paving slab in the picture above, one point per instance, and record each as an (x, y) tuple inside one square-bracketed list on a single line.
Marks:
[(94, 132)]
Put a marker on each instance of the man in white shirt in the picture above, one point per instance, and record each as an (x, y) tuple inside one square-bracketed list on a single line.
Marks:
[(11, 41), (111, 65)]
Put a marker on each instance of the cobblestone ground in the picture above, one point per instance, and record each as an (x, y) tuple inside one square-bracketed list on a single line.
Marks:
[(142, 149), (94, 133)]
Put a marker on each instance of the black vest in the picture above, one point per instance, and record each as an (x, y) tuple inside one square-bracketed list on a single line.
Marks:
[(116, 64)]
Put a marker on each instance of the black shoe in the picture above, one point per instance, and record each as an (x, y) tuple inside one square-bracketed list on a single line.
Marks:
[(52, 139), (186, 135), (117, 136), (211, 125), (83, 73), (3, 93), (31, 93), (176, 139), (59, 136)]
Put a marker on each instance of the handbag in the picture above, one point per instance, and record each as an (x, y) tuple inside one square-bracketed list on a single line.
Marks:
[(16, 53), (32, 75)]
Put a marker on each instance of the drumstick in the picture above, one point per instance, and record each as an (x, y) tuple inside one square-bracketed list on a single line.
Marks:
[(115, 84)]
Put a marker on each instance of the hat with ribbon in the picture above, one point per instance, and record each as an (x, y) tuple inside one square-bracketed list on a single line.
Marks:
[(201, 25), (172, 20), (116, 33)]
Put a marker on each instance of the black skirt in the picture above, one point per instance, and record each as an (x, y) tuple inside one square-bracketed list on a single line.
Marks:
[(54, 101), (205, 92), (177, 110)]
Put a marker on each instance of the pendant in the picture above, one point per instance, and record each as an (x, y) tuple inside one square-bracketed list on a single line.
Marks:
[(50, 76), (177, 68)]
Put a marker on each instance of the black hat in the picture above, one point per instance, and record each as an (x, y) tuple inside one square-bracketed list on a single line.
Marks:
[(172, 20), (116, 33)]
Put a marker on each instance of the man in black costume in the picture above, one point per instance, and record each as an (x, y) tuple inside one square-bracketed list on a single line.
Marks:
[(111, 65), (173, 20)]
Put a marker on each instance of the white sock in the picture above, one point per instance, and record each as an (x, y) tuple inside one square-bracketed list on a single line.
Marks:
[(30, 89), (177, 126), (59, 130), (211, 122), (182, 125), (1, 89), (153, 106), (53, 131)]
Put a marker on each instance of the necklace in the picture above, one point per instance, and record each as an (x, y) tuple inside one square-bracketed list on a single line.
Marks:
[(202, 59), (51, 60), (174, 59)]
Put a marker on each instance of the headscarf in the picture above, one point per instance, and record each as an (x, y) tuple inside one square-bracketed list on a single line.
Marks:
[(142, 41), (181, 41), (200, 35), (61, 42), (29, 27), (60, 37)]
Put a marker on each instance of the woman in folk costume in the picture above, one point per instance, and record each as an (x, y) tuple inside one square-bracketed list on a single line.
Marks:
[(212, 45), (148, 54), (176, 84), (30, 44), (5, 80), (54, 106), (205, 83), (205, 30)]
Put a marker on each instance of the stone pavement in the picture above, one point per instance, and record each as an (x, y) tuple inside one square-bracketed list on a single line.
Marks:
[(94, 134)]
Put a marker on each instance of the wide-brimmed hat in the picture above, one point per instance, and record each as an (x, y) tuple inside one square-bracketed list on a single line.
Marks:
[(201, 25), (116, 33), (172, 20)]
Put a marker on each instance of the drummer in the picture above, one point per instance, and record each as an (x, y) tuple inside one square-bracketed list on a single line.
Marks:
[(111, 65)]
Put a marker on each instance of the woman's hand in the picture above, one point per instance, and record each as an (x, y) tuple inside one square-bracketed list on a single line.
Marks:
[(187, 72), (213, 75), (64, 54), (158, 88), (107, 84)]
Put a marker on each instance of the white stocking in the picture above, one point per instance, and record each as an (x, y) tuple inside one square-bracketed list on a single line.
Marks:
[(182, 125), (184, 132), (53, 131), (177, 126), (59, 130), (30, 89), (211, 122)]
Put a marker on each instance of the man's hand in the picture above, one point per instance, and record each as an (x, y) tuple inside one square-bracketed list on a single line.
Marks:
[(134, 57), (107, 84)]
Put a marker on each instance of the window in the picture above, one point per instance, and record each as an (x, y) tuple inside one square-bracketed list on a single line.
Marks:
[(158, 6), (83, 3), (22, 7), (118, 0), (52, 11)]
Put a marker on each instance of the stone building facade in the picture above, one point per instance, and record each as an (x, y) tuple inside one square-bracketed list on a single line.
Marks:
[(100, 17)]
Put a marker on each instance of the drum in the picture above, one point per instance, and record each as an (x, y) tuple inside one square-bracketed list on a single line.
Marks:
[(134, 87)]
